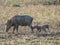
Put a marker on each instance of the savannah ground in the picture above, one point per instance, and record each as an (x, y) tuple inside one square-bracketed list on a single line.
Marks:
[(43, 14)]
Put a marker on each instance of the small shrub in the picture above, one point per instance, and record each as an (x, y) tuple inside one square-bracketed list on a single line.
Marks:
[(16, 5)]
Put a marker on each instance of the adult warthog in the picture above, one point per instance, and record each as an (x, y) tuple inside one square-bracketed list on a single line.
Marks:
[(19, 20)]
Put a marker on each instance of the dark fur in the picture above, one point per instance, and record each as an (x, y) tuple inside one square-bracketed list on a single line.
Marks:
[(39, 28), (19, 20), (44, 27)]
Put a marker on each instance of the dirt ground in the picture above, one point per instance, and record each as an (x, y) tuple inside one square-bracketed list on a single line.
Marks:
[(25, 37)]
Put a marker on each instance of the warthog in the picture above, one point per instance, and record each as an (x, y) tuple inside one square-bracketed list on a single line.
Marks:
[(36, 27), (44, 27), (39, 28), (19, 20)]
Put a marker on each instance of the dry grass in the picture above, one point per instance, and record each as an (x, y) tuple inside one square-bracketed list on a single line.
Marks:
[(31, 40), (41, 14), (30, 2)]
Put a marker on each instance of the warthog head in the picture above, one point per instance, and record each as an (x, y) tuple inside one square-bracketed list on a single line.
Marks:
[(8, 25)]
